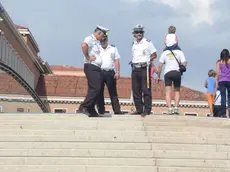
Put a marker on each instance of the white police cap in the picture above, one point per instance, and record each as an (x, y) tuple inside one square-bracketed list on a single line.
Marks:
[(103, 29), (138, 27)]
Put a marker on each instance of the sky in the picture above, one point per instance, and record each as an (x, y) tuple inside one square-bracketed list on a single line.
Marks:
[(60, 26)]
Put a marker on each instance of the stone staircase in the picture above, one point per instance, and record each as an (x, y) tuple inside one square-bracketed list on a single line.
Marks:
[(76, 143)]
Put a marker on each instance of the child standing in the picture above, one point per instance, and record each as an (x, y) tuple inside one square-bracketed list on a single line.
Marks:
[(210, 84)]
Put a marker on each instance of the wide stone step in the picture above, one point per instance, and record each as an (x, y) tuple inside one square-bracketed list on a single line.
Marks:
[(72, 132), (76, 168), (209, 134), (116, 133), (112, 125), (182, 118), (187, 123), (96, 153), (73, 126), (113, 138), (207, 155), (85, 153), (83, 145), (102, 122), (147, 119), (83, 138), (48, 116), (191, 169), (123, 127), (114, 146), (190, 140), (186, 129), (199, 163), (76, 161), (73, 122), (190, 147)]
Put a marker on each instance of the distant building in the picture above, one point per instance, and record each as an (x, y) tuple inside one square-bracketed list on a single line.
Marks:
[(66, 88)]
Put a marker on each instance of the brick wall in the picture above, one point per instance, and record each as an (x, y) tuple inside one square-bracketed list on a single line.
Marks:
[(9, 85)]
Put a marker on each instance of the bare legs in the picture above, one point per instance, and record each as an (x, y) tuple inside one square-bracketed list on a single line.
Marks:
[(169, 99)]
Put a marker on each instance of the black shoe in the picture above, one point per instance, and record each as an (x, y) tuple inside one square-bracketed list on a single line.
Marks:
[(136, 113), (93, 112), (145, 113), (119, 113), (83, 110)]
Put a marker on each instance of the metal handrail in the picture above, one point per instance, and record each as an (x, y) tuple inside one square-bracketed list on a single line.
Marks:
[(11, 58)]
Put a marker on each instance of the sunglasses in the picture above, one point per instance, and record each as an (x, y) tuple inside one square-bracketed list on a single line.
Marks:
[(136, 32), (104, 39)]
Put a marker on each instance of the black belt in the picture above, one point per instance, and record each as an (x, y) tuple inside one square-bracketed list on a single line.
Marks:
[(107, 70), (139, 65)]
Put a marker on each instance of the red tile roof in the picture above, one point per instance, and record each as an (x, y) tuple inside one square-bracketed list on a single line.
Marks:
[(20, 27), (76, 86), (64, 68)]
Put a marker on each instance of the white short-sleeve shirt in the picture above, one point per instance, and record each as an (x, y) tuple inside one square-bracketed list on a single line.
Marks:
[(141, 51), (169, 60), (108, 56), (93, 50)]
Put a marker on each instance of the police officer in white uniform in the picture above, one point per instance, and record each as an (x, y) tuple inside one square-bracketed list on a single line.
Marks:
[(92, 70), (110, 73), (144, 53)]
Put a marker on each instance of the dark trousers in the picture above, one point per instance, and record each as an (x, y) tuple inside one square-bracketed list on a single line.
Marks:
[(110, 81), (93, 75), (139, 86), (219, 111), (224, 86)]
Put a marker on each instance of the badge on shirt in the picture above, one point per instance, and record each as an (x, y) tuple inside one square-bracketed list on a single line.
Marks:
[(112, 56), (144, 52)]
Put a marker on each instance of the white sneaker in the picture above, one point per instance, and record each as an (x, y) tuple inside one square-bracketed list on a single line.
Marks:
[(170, 112), (176, 111)]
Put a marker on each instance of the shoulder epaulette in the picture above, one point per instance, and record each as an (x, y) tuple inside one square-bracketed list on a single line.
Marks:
[(148, 40), (112, 45)]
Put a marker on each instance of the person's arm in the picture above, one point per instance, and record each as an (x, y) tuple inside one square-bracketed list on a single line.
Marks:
[(160, 66), (185, 63), (217, 73), (206, 84), (152, 50), (183, 60), (159, 70), (117, 64), (85, 49)]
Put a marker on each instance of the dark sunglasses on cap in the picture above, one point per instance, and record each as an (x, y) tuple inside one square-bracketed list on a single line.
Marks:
[(136, 32), (104, 39)]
